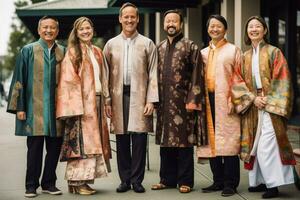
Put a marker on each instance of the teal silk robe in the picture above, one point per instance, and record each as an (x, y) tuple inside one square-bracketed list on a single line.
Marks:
[(33, 89)]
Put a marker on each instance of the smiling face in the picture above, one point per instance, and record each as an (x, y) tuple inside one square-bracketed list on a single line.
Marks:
[(256, 30), (48, 30), (85, 32), (216, 30), (129, 20), (172, 24)]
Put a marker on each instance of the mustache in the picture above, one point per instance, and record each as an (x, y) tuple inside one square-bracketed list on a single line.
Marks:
[(171, 27)]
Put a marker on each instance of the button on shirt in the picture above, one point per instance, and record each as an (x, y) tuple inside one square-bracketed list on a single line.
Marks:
[(127, 61)]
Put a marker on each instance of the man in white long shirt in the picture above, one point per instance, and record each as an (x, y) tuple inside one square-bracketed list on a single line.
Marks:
[(132, 64)]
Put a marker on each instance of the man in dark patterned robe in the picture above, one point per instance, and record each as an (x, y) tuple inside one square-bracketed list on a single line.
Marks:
[(181, 96)]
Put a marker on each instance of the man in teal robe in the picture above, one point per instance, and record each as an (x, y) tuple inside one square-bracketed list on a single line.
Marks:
[(32, 99)]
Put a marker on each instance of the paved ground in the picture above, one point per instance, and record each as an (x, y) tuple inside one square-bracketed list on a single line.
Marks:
[(13, 162)]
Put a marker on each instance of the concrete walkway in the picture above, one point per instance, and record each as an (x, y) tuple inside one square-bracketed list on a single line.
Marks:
[(13, 162)]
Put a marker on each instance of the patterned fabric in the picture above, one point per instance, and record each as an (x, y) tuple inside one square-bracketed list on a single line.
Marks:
[(33, 89), (86, 170), (224, 137), (143, 87), (276, 84), (181, 78), (77, 104)]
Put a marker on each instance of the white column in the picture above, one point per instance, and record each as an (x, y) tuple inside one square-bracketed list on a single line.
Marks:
[(238, 23), (227, 11), (186, 24), (146, 24), (159, 29)]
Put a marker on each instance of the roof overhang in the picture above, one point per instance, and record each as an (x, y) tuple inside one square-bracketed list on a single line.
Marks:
[(156, 3), (67, 11), (103, 19)]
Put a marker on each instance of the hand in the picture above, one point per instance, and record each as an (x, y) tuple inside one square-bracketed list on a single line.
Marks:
[(260, 102), (21, 115), (108, 111), (230, 108), (148, 110)]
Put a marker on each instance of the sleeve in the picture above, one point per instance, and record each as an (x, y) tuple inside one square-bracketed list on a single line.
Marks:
[(152, 89), (196, 93), (280, 95), (238, 60), (17, 97), (242, 97), (105, 75), (69, 93)]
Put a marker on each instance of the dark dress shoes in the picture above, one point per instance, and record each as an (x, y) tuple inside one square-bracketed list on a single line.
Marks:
[(228, 191), (259, 188), (270, 193), (123, 187), (30, 193), (138, 188), (212, 188)]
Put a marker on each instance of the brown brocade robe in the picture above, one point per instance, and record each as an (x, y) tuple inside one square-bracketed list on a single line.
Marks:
[(86, 135), (181, 87), (276, 86)]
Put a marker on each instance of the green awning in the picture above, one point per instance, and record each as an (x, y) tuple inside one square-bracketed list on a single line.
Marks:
[(104, 19)]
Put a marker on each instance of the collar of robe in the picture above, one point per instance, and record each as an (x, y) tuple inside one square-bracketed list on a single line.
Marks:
[(44, 44), (176, 39), (131, 37), (219, 44)]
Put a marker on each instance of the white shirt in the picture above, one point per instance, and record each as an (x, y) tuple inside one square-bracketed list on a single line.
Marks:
[(95, 64), (255, 67), (49, 50), (127, 61)]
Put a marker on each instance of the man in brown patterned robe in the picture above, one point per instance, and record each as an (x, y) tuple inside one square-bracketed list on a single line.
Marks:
[(181, 94)]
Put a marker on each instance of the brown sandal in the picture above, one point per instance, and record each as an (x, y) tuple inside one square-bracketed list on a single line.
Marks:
[(185, 189), (158, 186)]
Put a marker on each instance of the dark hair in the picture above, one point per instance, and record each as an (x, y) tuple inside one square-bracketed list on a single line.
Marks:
[(128, 4), (175, 11), (219, 18), (263, 22), (48, 17)]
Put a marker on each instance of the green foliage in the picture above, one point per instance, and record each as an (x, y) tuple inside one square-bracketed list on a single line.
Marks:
[(19, 37)]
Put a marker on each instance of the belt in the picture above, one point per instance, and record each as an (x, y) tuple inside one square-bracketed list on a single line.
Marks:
[(260, 92), (126, 89)]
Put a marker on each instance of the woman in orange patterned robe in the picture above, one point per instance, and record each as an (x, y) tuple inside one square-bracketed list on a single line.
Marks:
[(262, 94)]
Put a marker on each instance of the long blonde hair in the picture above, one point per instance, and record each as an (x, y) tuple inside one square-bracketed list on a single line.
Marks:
[(74, 42)]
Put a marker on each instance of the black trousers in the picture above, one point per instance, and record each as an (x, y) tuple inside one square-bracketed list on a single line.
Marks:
[(177, 166), (131, 148), (225, 169), (131, 157), (35, 147)]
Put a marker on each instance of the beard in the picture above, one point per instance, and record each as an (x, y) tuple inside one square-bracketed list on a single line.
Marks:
[(172, 31)]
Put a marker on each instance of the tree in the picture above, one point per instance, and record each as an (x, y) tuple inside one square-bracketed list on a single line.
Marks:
[(19, 37)]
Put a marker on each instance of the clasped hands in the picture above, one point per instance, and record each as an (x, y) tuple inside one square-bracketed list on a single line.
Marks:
[(260, 102)]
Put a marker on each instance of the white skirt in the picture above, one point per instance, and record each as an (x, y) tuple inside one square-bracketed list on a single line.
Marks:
[(268, 168)]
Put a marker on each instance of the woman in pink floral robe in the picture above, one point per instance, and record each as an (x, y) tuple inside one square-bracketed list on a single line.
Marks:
[(86, 143)]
